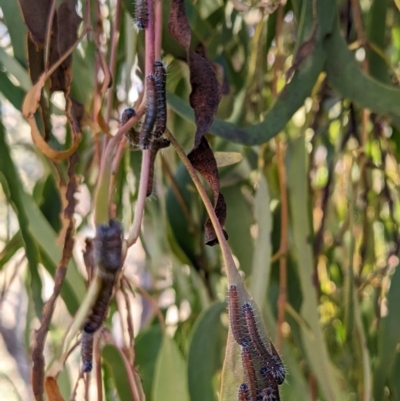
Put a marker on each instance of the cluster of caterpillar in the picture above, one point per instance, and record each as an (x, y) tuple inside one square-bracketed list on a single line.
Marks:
[(261, 386), (108, 257), (155, 120)]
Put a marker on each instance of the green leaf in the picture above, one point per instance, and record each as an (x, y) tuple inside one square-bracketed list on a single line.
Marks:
[(205, 353), (170, 378), (388, 337), (16, 28), (147, 347), (261, 269), (314, 344), (38, 235), (15, 196), (117, 366), (238, 223), (13, 67), (347, 78), (14, 94)]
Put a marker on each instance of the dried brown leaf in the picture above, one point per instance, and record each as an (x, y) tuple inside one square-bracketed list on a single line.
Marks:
[(205, 95), (203, 160), (35, 15), (68, 23), (52, 390), (178, 24)]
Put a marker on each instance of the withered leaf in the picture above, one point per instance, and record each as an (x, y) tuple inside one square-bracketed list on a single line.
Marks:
[(36, 14), (68, 23), (203, 160), (52, 389), (178, 24), (205, 95)]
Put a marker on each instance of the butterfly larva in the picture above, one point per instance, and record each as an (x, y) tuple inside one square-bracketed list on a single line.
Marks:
[(234, 315), (155, 146), (99, 311), (249, 374), (256, 341), (132, 135), (271, 392), (243, 393), (108, 246), (87, 352), (277, 368), (141, 14), (146, 131), (160, 76)]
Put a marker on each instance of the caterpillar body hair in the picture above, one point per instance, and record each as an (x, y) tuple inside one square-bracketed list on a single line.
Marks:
[(243, 393), (87, 352), (249, 374), (235, 320), (146, 131), (269, 394), (141, 14), (160, 76), (257, 344)]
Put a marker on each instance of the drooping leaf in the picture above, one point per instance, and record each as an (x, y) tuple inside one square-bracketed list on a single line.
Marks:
[(170, 378), (204, 353)]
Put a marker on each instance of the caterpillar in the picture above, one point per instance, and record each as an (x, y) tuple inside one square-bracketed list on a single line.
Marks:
[(259, 348), (146, 131), (271, 392), (141, 14), (243, 393), (97, 315), (132, 135), (249, 374), (160, 76), (234, 315), (108, 246), (155, 146), (87, 352), (277, 367), (108, 256)]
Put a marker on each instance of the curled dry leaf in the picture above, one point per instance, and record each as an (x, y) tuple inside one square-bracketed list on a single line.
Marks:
[(203, 161), (204, 99), (29, 107)]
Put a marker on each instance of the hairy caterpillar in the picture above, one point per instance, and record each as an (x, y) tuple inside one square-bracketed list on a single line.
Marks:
[(234, 315), (259, 348), (108, 256), (276, 364), (160, 76), (249, 373), (132, 135), (87, 351), (271, 392), (146, 131), (141, 14), (243, 393)]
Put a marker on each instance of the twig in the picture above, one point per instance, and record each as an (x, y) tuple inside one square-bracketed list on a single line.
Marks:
[(280, 155), (48, 33), (145, 168), (231, 269)]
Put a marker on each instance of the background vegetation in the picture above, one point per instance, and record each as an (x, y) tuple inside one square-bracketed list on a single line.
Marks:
[(308, 144)]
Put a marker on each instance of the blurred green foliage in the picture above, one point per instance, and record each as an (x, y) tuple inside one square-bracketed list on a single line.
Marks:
[(340, 125)]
